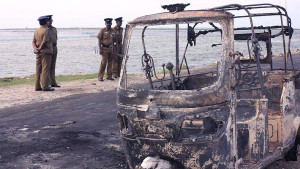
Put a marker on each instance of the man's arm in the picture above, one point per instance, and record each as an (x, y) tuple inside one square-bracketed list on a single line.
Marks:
[(34, 44), (41, 46), (100, 42), (56, 34), (35, 51), (100, 46), (121, 35), (122, 45)]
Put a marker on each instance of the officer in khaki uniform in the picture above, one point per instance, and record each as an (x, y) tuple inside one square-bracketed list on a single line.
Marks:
[(43, 49), (53, 34), (105, 47), (117, 47)]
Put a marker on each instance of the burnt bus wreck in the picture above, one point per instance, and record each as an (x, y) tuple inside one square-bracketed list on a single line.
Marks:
[(240, 112)]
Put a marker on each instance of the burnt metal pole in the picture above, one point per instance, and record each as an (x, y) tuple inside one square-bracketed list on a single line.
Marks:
[(184, 59), (146, 59), (284, 47), (177, 49), (269, 47), (170, 68)]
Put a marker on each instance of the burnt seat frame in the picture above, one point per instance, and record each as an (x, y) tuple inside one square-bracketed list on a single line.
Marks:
[(286, 29)]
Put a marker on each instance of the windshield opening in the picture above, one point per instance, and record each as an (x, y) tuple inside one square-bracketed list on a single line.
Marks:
[(175, 57)]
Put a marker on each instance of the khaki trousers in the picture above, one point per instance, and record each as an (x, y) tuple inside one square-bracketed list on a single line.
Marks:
[(42, 75), (52, 68), (106, 61), (117, 60)]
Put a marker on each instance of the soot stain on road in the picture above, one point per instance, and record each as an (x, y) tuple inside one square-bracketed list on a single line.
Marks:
[(34, 137), (66, 149)]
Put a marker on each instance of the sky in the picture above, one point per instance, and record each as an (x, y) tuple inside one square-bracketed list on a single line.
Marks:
[(90, 13)]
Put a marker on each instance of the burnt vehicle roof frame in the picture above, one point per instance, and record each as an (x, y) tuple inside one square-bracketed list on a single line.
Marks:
[(285, 29)]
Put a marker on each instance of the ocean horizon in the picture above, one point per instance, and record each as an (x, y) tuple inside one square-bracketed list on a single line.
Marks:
[(78, 50)]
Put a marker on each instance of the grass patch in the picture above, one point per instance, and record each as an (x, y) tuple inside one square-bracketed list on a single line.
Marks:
[(167, 71), (14, 81), (64, 78)]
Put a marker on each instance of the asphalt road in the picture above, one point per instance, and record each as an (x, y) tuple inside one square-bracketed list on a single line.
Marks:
[(79, 131)]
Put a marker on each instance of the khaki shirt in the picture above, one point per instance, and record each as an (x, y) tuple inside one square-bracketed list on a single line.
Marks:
[(40, 35), (105, 36), (118, 34), (53, 33)]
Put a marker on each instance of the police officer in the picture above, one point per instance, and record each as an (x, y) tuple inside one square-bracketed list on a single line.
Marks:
[(43, 49), (53, 34), (117, 60), (105, 48)]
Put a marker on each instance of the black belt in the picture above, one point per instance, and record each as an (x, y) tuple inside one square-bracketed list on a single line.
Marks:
[(107, 46)]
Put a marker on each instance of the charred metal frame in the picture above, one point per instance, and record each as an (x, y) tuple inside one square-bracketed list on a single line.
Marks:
[(158, 101), (287, 29), (281, 12), (218, 125)]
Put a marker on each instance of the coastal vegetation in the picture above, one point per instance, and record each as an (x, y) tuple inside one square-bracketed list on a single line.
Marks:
[(29, 80)]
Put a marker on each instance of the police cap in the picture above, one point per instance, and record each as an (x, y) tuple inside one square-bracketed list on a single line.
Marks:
[(119, 19), (43, 18), (49, 16), (108, 20)]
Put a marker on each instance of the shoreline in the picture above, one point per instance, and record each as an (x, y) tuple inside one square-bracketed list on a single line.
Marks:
[(29, 80), (22, 92), (80, 75), (19, 95), (33, 28)]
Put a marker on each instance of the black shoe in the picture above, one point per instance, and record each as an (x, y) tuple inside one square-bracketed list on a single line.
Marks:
[(56, 85), (116, 76), (100, 79), (38, 89), (110, 78), (49, 89)]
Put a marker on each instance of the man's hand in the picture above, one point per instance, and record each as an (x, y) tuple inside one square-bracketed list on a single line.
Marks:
[(36, 51), (101, 51)]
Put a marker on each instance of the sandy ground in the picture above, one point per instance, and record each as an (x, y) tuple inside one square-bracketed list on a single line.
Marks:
[(21, 95)]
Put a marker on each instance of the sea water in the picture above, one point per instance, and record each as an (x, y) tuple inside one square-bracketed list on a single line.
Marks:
[(78, 50)]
